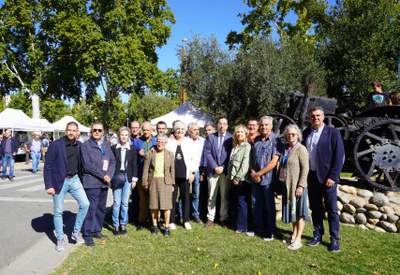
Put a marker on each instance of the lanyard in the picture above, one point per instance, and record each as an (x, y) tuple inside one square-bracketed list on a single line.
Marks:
[(286, 153)]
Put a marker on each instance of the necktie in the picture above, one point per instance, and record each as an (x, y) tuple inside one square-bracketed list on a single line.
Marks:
[(220, 145)]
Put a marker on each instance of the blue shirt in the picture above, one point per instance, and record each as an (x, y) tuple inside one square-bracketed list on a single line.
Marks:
[(311, 143), (263, 150)]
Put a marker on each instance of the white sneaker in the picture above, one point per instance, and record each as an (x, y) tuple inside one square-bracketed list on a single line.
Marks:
[(77, 236), (295, 245), (60, 245), (187, 226), (172, 226), (269, 238), (250, 233)]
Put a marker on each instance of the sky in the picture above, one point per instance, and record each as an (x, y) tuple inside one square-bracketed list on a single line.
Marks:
[(205, 17)]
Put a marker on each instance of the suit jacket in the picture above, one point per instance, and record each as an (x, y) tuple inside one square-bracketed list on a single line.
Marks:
[(211, 151), (149, 165), (92, 164), (131, 167), (55, 166), (189, 152), (14, 145), (330, 154)]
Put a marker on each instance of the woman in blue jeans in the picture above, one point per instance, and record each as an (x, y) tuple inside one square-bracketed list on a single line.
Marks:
[(125, 178)]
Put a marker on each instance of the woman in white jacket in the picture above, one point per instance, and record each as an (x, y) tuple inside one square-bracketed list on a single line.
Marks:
[(185, 167)]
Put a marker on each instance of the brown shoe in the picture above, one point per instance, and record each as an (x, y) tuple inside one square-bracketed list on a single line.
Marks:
[(208, 224)]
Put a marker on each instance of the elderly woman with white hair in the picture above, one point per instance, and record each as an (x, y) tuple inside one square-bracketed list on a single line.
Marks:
[(186, 166), (293, 171)]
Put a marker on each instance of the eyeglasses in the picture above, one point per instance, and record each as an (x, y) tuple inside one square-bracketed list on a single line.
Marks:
[(290, 134), (97, 130)]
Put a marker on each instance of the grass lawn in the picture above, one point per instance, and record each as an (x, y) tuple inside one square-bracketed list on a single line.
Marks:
[(220, 251)]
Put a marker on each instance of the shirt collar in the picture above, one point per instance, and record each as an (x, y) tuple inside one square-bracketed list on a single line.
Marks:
[(127, 146)]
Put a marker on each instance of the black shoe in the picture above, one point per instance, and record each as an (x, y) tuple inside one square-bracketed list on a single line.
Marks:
[(123, 229), (99, 236), (139, 228), (197, 220), (116, 231), (223, 224), (314, 241), (154, 230), (166, 232), (334, 246), (89, 241)]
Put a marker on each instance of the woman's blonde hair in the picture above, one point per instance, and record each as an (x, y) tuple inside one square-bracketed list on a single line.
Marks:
[(246, 131)]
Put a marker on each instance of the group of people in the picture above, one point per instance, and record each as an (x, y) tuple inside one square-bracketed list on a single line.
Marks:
[(245, 168)]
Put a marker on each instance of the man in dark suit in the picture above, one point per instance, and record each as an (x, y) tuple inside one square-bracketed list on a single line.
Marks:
[(9, 147), (218, 148), (61, 176), (325, 146)]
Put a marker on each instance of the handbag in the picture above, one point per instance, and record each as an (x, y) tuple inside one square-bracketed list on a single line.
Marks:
[(118, 180)]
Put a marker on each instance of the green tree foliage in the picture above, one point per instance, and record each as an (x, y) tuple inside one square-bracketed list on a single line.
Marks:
[(54, 109), (266, 15), (361, 45), (20, 101), (149, 106), (258, 81)]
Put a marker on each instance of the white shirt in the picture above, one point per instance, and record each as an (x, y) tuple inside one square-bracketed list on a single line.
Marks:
[(312, 142), (199, 144)]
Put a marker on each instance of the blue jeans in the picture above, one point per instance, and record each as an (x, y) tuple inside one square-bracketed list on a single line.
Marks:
[(74, 187), (35, 161), (196, 195), (264, 209), (121, 200), (8, 160)]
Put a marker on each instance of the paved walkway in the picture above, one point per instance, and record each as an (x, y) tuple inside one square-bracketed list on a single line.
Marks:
[(41, 257)]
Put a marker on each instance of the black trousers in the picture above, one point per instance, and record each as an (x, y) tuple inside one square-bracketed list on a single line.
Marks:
[(184, 190)]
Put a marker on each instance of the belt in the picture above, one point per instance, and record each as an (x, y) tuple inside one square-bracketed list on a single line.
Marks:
[(70, 176)]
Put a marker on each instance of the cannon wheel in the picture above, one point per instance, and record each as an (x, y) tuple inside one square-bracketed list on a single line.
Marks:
[(339, 123), (280, 123), (377, 154)]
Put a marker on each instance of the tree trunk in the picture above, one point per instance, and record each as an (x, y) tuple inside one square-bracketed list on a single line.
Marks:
[(304, 106)]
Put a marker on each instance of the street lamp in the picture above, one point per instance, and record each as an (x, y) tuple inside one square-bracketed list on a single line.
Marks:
[(183, 63)]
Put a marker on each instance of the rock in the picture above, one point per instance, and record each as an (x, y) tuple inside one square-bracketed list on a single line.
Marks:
[(339, 206), (371, 207), (383, 217), (360, 218), (395, 200), (278, 207), (278, 216), (358, 202), (386, 209), (379, 229), (349, 208), (347, 218), (348, 189), (370, 226), (379, 199), (374, 214), (393, 218), (372, 221), (361, 210), (364, 193), (396, 207), (389, 227), (398, 225), (344, 197), (362, 227)]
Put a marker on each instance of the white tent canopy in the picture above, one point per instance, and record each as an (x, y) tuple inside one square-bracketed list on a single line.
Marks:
[(61, 124), (17, 120), (187, 113)]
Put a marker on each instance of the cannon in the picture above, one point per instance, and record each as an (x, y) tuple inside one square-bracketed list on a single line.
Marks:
[(371, 138)]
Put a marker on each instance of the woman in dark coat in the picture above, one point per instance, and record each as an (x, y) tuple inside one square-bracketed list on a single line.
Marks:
[(125, 178)]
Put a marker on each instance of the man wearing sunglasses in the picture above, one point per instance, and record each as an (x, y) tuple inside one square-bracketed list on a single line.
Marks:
[(62, 173)]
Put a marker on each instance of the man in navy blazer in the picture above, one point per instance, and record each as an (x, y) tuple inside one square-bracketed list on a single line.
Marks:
[(62, 170), (325, 146), (9, 149), (218, 148)]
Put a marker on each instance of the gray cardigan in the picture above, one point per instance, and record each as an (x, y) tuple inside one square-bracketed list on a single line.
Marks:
[(239, 162)]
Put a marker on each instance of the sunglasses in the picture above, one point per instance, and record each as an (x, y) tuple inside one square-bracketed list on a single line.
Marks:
[(97, 130)]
